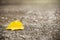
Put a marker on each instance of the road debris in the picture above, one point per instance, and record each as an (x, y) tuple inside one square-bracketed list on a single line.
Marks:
[(15, 25)]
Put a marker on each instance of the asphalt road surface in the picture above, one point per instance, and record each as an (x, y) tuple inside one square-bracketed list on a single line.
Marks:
[(41, 22)]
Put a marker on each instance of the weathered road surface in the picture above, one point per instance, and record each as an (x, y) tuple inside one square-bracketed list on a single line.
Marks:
[(41, 22)]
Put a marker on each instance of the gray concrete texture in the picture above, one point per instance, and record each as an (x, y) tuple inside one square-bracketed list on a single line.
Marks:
[(41, 20)]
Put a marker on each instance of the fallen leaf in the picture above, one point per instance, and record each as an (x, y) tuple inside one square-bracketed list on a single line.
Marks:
[(15, 25)]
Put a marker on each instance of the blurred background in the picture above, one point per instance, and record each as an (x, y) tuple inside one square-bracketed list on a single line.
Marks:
[(41, 19), (28, 2)]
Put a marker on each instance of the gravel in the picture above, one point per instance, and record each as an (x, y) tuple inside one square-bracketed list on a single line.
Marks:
[(41, 23)]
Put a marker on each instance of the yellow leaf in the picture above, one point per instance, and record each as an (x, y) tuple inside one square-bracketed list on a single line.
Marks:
[(15, 25)]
